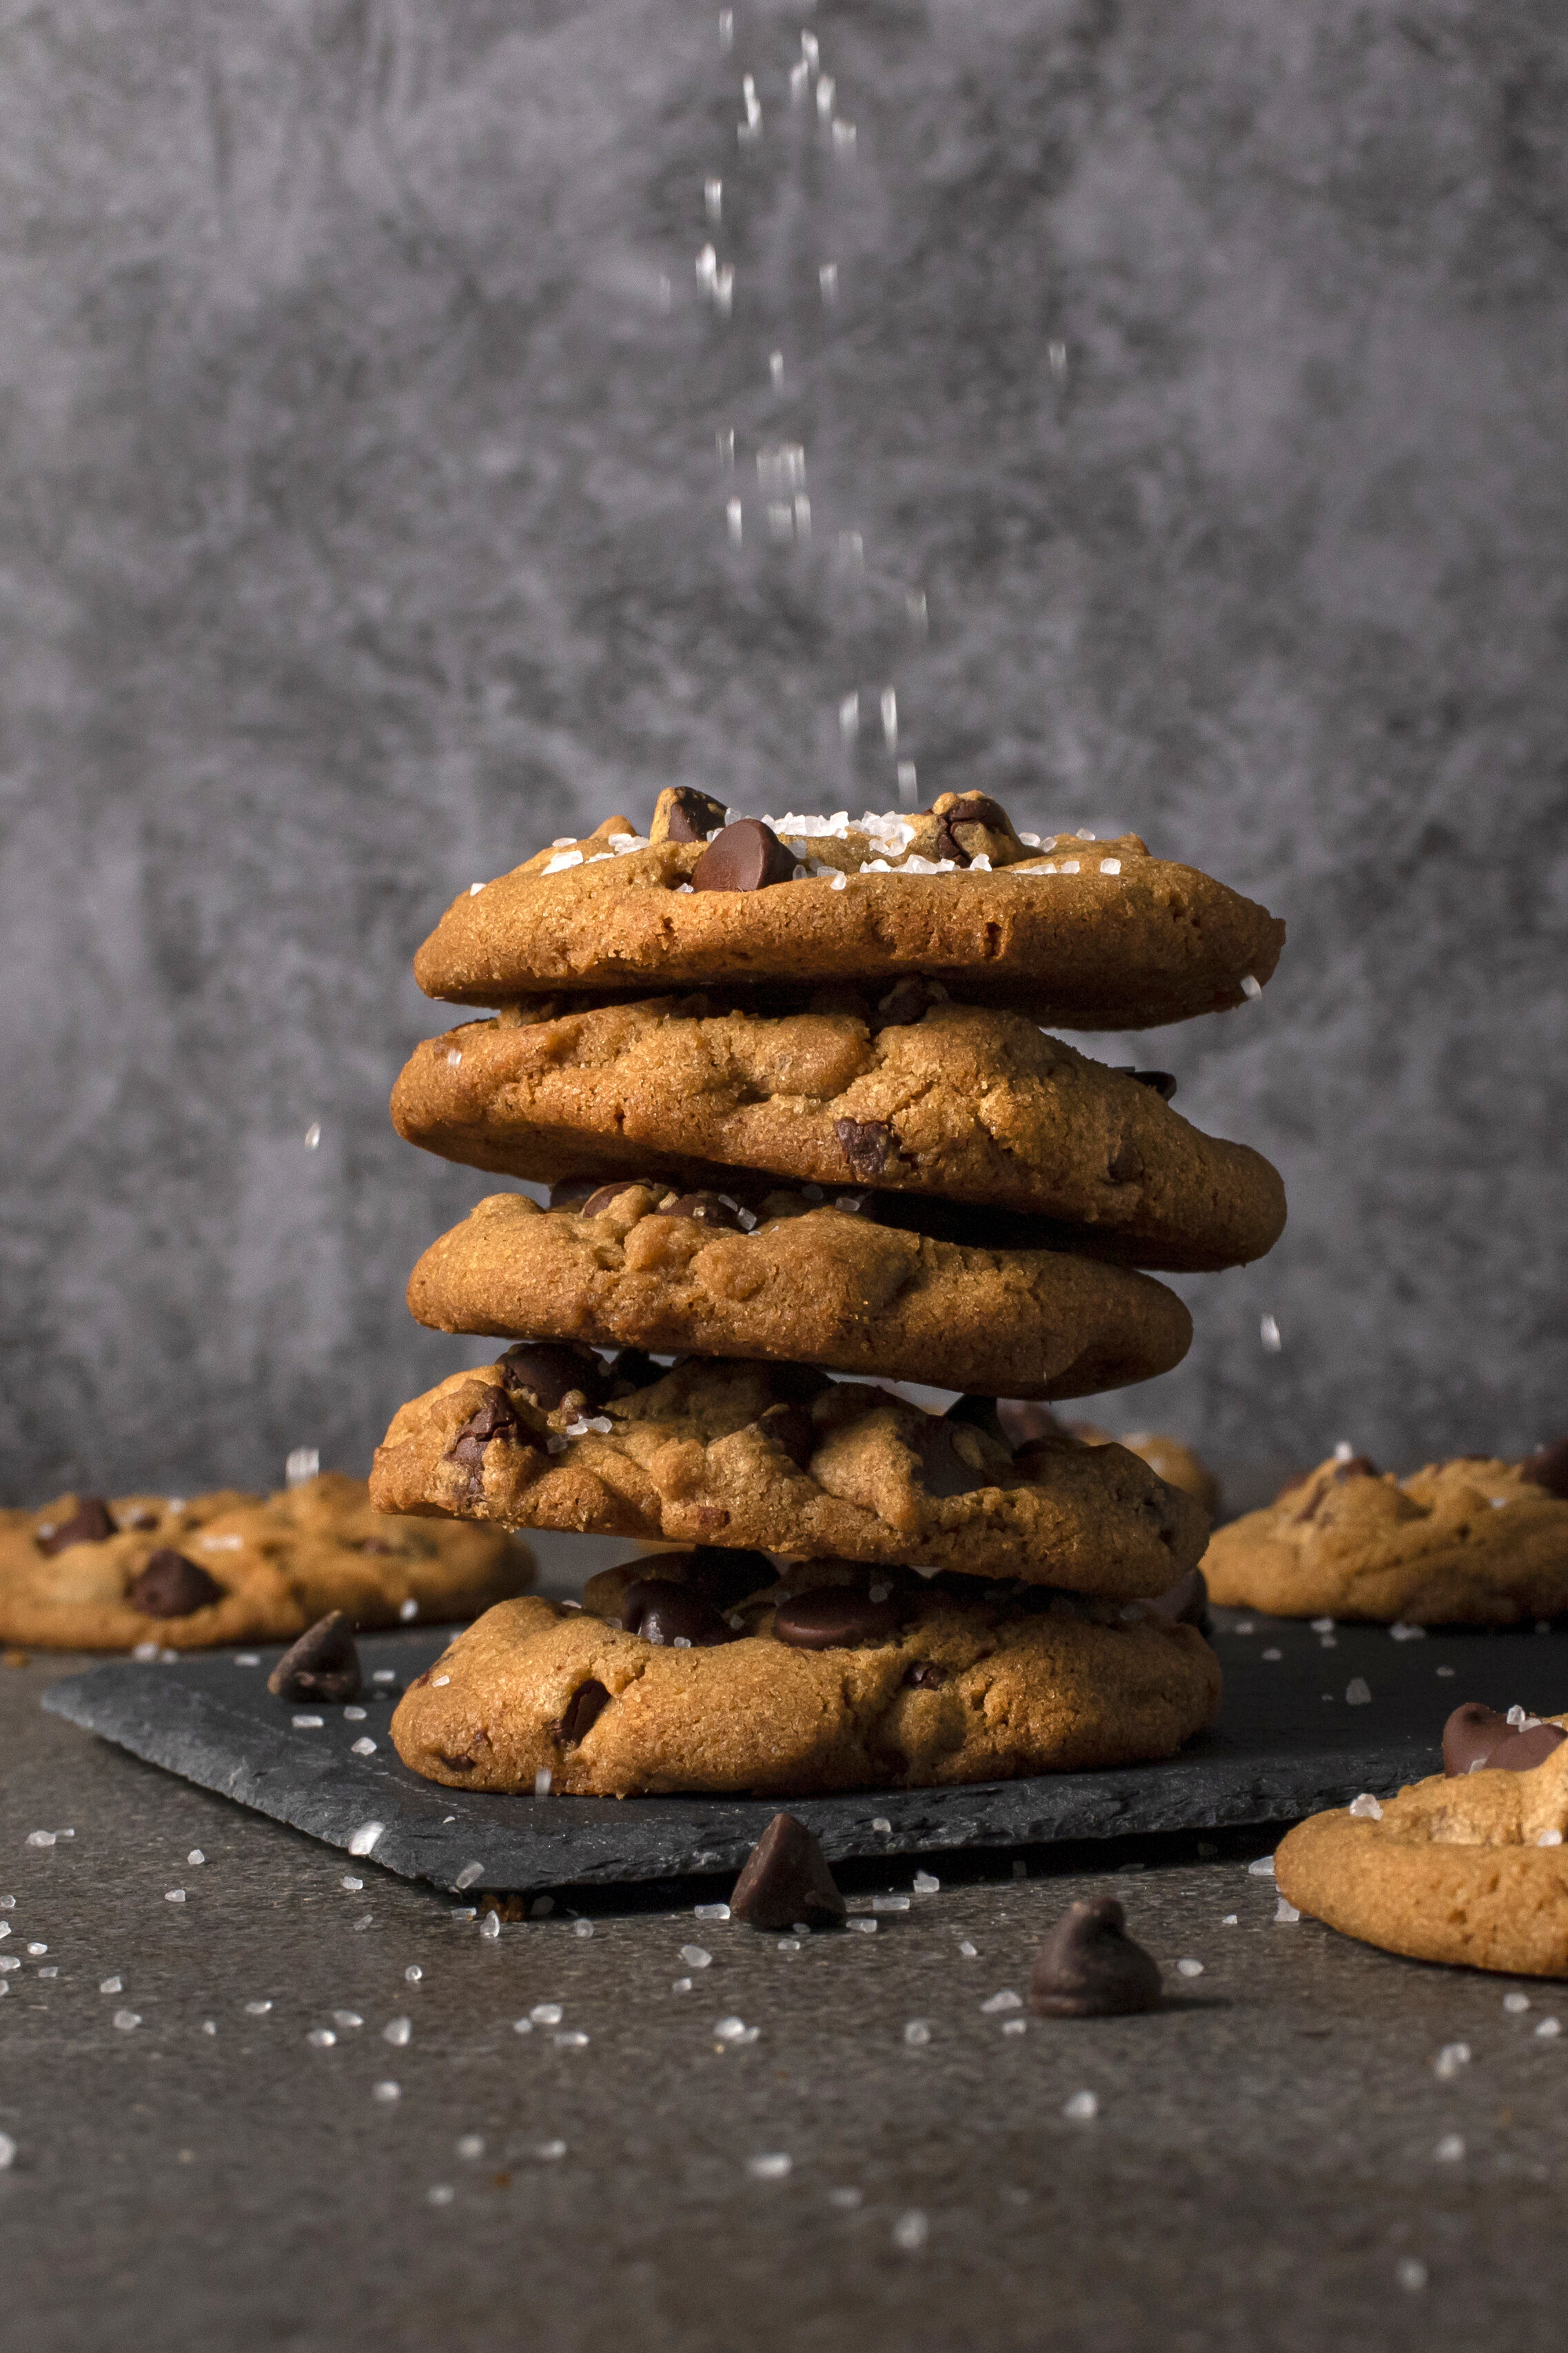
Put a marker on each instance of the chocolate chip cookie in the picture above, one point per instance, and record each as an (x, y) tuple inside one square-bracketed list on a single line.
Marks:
[(780, 1457), (87, 1573), (640, 1266), (833, 1677), (1474, 1542), (1090, 934), (1176, 1464), (1469, 1867), (914, 1093)]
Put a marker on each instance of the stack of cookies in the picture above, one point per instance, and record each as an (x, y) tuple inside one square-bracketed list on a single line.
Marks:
[(803, 1133)]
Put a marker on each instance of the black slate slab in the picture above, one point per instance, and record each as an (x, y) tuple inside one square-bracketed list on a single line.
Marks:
[(1288, 1743)]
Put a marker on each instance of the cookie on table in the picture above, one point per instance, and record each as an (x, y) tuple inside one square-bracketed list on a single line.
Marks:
[(1474, 1542), (1091, 934), (914, 1093), (84, 1574), (833, 1677), (640, 1266), (1469, 1867), (1175, 1462), (780, 1457)]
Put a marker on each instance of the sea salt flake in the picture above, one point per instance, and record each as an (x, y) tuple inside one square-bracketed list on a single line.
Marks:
[(1262, 1869), (173, 1895), (1111, 865), (571, 2040), (40, 1838), (1250, 987), (1358, 1691), (880, 1822), (866, 1927), (308, 1723), (398, 2031), (926, 1883), (1548, 2029), (773, 2168), (347, 2019), (195, 1855), (1006, 2000), (889, 1903), (1516, 2003), (912, 2230), (1365, 1808), (1449, 2060), (968, 1951), (1400, 1632), (694, 1956), (386, 2093), (1082, 2108), (1450, 2149), (125, 2020), (256, 2008), (112, 1985), (1550, 1838), (562, 861), (547, 2013), (1286, 1911), (1189, 1968), (321, 2038)]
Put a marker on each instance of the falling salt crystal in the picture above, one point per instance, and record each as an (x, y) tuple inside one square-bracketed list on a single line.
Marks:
[(1358, 1691), (1451, 2059), (912, 2230), (1231, 1920), (313, 1136), (470, 1875), (889, 708), (1284, 1910), (7, 2151), (302, 1462), (1189, 1968), (347, 2019), (1268, 1332), (827, 280), (730, 2030), (726, 28), (440, 2193), (38, 1948), (713, 198), (541, 1782), (775, 370), (550, 2150), (247, 1659), (408, 1610), (734, 518), (1403, 1634), (195, 1855), (398, 2031), (1411, 2273), (571, 2041), (1006, 2000), (1365, 1808), (769, 2169), (256, 2008), (1450, 2149), (386, 2093), (969, 1952), (471, 2147), (1083, 2107), (321, 2038), (681, 1985), (1271, 1654), (926, 1883)]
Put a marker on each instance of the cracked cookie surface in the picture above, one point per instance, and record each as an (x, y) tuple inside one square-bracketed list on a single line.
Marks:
[(255, 1570), (786, 1460), (1469, 1543), (1091, 934), (917, 1685), (811, 1284), (918, 1095), (1454, 1870)]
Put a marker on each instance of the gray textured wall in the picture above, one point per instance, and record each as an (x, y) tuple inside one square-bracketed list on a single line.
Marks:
[(364, 527)]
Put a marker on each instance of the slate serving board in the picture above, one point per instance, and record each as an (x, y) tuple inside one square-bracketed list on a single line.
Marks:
[(1286, 1744)]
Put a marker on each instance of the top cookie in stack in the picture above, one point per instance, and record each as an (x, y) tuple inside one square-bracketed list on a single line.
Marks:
[(787, 1084)]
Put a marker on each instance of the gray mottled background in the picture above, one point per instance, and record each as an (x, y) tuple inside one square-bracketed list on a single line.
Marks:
[(364, 526)]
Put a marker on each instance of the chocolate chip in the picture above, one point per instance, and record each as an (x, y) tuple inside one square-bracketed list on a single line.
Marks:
[(595, 1204), (786, 1878), (632, 1369), (88, 1524), (836, 1618), (1355, 1466), (666, 1613), (747, 855), (1548, 1468), (867, 1144), (797, 1383), (584, 1709), (721, 1575), (909, 1001), (966, 809), (170, 1585), (322, 1664), (1162, 1081), (705, 1209), (683, 814), (791, 1428), (926, 1677), (1185, 1603), (547, 1372), (1469, 1736), (952, 1462), (455, 1764), (1088, 1967), (1522, 1751), (979, 1413), (571, 1192), (492, 1419)]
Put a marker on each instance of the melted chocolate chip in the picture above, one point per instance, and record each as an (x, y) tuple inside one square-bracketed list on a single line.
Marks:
[(632, 1369), (797, 1383), (705, 1209), (468, 1449), (547, 1372), (836, 1618), (1469, 1736), (322, 1664), (926, 1677), (1162, 1081), (1088, 1967), (88, 1524), (571, 1192), (909, 1001), (170, 1585), (1522, 1751), (664, 1613), (595, 1204), (968, 809), (786, 1878), (979, 1413), (685, 815), (946, 1469), (867, 1144), (746, 855), (1548, 1468), (791, 1428), (584, 1709), (722, 1576)]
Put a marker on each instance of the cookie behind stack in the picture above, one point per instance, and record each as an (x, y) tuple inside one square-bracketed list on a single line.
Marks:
[(787, 1086)]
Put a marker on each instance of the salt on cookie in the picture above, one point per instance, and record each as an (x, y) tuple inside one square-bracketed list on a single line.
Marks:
[(783, 1459), (87, 1573), (914, 1093), (1474, 1542), (641, 1266), (835, 1677), (1469, 1868), (1090, 934)]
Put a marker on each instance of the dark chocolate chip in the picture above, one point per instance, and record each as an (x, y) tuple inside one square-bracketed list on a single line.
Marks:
[(1162, 1081), (791, 1428), (689, 815), (1185, 1603), (945, 1469), (632, 1369), (909, 1001), (705, 1209), (1548, 1468), (584, 1709), (1356, 1466), (547, 1372), (867, 1144), (969, 808), (1522, 1751), (836, 1618), (665, 1613), (571, 1192), (595, 1204), (170, 1585), (797, 1383), (1469, 1736), (455, 1764), (721, 1575), (322, 1664), (88, 1524), (979, 1413), (468, 1449), (926, 1677), (746, 855), (786, 1878), (1088, 1967)]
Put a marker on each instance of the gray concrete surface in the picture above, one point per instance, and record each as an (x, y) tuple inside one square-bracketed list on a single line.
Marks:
[(1267, 2166), (1200, 365)]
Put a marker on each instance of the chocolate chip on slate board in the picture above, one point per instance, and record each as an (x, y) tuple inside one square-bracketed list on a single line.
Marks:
[(1548, 1468), (836, 1618), (547, 1372), (705, 1209), (88, 1524), (683, 814), (170, 1585), (868, 1146), (667, 1614), (786, 1878), (746, 855), (322, 1664), (1088, 1967), (1162, 1081)]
